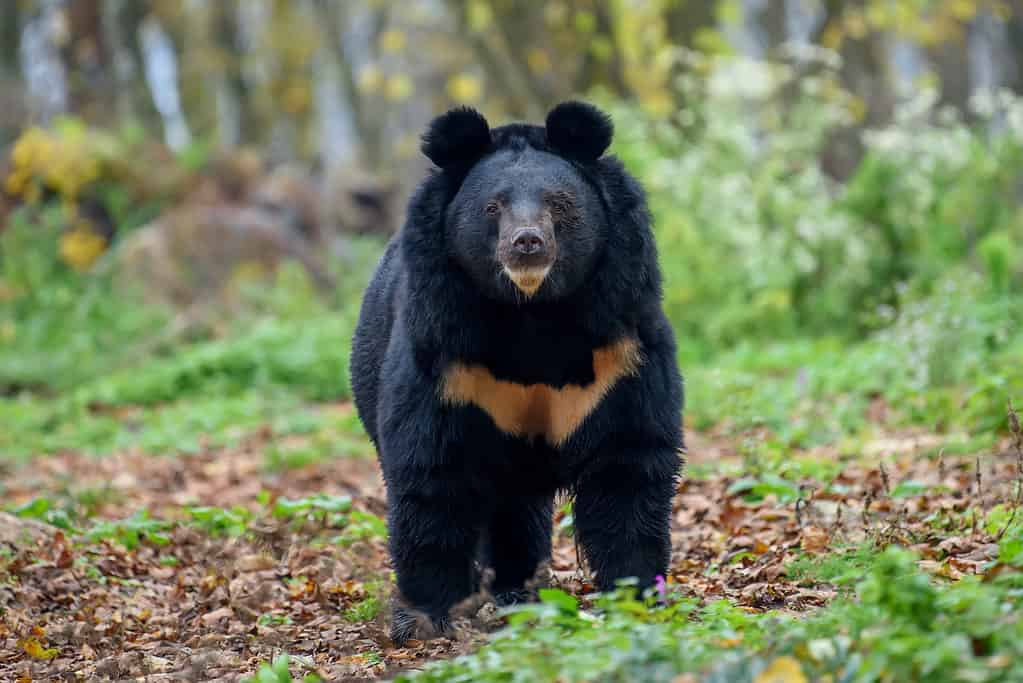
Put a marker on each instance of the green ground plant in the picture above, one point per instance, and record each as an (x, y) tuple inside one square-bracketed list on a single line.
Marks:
[(896, 626)]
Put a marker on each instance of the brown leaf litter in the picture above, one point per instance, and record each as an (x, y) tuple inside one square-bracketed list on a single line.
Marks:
[(211, 609)]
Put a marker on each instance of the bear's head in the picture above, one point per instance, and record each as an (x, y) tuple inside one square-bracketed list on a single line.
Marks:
[(528, 221)]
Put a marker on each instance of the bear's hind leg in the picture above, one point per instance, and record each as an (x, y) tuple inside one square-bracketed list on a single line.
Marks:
[(517, 540)]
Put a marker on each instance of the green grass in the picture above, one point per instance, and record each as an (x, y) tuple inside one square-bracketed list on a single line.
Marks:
[(369, 607), (812, 392), (130, 532), (898, 625), (319, 511), (184, 425), (841, 566), (85, 365)]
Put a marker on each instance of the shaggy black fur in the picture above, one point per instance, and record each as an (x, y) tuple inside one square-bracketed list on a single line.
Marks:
[(461, 492)]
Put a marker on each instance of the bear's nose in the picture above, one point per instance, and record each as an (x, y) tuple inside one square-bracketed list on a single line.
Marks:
[(527, 241)]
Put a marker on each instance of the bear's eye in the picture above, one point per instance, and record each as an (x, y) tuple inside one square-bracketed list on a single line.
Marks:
[(492, 208)]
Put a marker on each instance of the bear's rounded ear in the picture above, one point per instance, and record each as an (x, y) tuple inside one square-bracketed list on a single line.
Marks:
[(457, 138), (579, 130)]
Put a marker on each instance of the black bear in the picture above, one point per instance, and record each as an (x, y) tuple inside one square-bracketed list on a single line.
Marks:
[(511, 345)]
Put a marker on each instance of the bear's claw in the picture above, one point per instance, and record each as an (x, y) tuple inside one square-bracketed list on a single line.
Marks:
[(409, 624)]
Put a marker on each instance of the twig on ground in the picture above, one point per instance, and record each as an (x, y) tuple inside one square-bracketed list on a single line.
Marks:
[(868, 499), (801, 503), (1017, 444), (977, 473), (839, 524)]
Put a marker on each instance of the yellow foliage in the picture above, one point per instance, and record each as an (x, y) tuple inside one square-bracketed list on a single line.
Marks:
[(855, 25), (464, 88), (247, 272), (647, 54), (782, 670), (659, 103), (729, 11), (480, 15), (925, 23), (879, 15), (16, 182), (371, 79), (65, 159), (832, 37), (601, 48), (297, 98), (392, 40), (81, 246), (710, 41), (32, 194), (585, 22), (964, 10), (538, 59), (398, 87)]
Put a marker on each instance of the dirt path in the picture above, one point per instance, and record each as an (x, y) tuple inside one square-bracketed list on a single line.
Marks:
[(189, 604)]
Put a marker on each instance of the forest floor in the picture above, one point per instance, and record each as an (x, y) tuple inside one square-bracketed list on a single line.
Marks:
[(204, 566)]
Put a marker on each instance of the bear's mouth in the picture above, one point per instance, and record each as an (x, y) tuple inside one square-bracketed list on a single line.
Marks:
[(527, 279)]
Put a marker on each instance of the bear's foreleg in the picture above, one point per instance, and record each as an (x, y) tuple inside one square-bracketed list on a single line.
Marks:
[(623, 515), (434, 535)]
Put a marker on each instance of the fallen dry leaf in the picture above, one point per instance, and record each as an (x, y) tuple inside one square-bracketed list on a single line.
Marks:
[(36, 650), (221, 606), (815, 540)]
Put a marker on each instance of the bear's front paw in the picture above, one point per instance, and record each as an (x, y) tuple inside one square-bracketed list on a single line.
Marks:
[(410, 624), (513, 597)]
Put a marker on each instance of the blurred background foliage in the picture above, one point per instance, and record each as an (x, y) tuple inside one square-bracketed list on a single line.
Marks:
[(331, 82), (836, 184)]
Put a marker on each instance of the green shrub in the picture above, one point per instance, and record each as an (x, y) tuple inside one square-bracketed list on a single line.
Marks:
[(59, 327), (757, 242)]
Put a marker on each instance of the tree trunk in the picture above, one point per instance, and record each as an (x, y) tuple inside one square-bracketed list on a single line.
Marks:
[(87, 60), (610, 71), (517, 27), (367, 119), (951, 61), (1014, 38), (686, 18), (522, 101), (10, 31), (772, 25), (122, 19), (864, 73), (234, 113)]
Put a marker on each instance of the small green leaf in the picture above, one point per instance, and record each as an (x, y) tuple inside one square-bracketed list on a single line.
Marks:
[(741, 486), (909, 488), (560, 599)]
